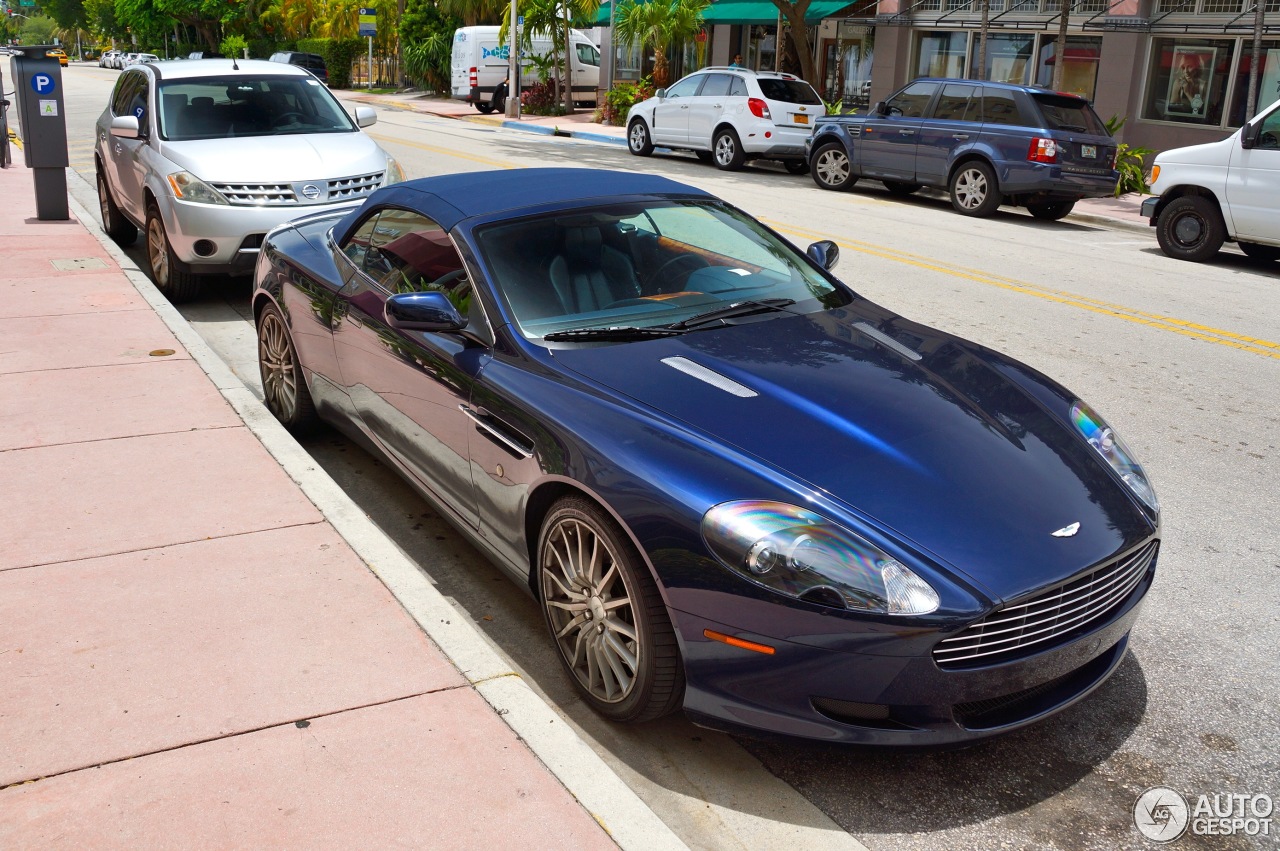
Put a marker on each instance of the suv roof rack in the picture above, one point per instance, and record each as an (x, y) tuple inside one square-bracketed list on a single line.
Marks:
[(784, 75)]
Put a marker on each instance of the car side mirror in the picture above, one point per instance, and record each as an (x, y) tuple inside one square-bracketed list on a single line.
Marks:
[(660, 94), (1249, 135), (126, 127), (430, 311), (825, 253), (881, 108), (365, 116)]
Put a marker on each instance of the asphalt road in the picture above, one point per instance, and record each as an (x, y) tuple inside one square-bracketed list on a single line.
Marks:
[(1182, 359)]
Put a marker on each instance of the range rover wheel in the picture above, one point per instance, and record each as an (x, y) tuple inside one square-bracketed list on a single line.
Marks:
[(1191, 228), (727, 150), (606, 616), (974, 191), (638, 141), (1051, 211), (177, 285), (830, 167)]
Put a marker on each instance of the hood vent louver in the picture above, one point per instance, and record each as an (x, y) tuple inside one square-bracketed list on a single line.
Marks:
[(709, 376)]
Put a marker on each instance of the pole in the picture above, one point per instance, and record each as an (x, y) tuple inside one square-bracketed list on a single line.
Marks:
[(1255, 62), (370, 63), (513, 63)]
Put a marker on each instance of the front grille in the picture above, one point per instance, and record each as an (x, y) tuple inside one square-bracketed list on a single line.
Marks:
[(354, 187), (1049, 618), (257, 194), (1021, 705)]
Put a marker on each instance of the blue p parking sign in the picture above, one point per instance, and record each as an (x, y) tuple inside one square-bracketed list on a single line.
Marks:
[(42, 83)]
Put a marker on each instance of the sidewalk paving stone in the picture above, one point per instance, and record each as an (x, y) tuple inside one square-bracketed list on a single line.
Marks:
[(107, 658), (96, 292), (83, 339)]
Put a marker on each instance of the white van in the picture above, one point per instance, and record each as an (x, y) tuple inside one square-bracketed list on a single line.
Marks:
[(1228, 190), (479, 67)]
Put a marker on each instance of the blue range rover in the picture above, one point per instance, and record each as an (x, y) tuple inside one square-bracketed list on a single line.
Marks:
[(987, 144)]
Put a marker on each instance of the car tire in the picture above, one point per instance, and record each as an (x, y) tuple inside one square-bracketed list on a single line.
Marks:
[(727, 151), (1256, 251), (499, 105), (606, 616), (178, 286), (974, 191), (830, 167), (122, 231), (703, 156), (1051, 211), (284, 387), (897, 187), (638, 139), (1191, 228), (795, 166)]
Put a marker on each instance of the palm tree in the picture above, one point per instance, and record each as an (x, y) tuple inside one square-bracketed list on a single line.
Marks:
[(659, 25)]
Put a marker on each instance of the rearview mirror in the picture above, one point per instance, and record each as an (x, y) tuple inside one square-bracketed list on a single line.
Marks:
[(126, 127), (365, 116), (423, 312), (1249, 135), (660, 94), (881, 108), (825, 253)]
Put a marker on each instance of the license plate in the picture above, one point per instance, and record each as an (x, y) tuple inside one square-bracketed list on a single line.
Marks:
[(1089, 152), (801, 119)]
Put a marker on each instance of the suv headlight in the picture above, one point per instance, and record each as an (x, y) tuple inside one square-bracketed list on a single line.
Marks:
[(395, 174), (1109, 445), (803, 555), (187, 187)]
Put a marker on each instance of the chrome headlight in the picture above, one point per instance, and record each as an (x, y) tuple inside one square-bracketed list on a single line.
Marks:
[(394, 174), (803, 555), (1109, 445), (187, 187)]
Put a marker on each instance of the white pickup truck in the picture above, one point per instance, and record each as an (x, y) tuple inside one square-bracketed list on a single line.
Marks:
[(1230, 190)]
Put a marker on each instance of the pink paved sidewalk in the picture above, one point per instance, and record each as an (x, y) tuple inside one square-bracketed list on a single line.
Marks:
[(190, 654)]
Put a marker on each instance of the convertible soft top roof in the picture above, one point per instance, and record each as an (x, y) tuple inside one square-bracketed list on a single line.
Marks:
[(450, 198)]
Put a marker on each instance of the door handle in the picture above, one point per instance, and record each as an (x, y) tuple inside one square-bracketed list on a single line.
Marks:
[(960, 137), (906, 132), (119, 148)]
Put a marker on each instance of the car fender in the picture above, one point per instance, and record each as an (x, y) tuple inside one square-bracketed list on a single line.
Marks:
[(836, 131)]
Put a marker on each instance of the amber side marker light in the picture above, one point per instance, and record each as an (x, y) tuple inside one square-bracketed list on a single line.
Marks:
[(738, 642)]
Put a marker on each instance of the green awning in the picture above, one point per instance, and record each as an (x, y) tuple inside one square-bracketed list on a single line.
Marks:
[(751, 11)]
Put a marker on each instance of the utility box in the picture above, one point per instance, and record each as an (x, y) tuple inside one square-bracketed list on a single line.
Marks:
[(36, 78)]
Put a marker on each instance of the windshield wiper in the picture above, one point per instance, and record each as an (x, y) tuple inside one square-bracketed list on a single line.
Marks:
[(619, 333), (738, 308)]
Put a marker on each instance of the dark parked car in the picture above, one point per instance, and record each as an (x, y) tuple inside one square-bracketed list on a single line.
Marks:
[(313, 62), (732, 484), (987, 144)]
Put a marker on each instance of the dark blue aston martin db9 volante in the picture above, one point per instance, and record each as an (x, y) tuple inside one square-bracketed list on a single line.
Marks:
[(733, 485)]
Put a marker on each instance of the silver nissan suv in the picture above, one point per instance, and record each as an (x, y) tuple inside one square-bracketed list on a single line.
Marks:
[(207, 156), (729, 115)]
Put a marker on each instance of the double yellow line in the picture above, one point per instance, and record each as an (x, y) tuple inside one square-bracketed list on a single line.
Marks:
[(1208, 334)]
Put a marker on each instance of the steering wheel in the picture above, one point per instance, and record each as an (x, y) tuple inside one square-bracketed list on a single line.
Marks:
[(654, 283), (296, 118), (448, 279)]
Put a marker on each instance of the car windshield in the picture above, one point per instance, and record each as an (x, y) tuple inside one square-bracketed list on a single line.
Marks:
[(227, 107), (642, 266), (1070, 113), (788, 91)]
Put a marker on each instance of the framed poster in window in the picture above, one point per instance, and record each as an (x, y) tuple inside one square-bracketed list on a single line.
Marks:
[(1190, 80)]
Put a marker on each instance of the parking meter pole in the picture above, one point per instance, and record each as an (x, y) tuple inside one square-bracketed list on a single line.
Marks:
[(37, 85)]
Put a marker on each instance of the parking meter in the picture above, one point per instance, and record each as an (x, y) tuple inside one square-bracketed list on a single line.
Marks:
[(36, 78)]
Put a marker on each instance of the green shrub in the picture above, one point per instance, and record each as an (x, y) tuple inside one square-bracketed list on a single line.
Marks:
[(233, 46), (1130, 162), (540, 99), (338, 55), (619, 100)]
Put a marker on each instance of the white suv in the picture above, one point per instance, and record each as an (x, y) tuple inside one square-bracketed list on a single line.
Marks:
[(729, 115)]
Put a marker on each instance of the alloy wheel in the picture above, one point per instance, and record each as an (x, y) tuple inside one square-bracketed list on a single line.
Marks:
[(726, 149), (589, 606), (279, 374), (971, 188), (832, 167), (158, 251)]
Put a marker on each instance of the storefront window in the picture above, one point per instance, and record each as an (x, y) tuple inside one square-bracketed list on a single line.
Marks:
[(1080, 73), (1008, 56), (941, 54), (1268, 80), (1187, 80), (628, 61)]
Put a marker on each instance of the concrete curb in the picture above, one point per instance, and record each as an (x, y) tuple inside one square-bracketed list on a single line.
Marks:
[(614, 805)]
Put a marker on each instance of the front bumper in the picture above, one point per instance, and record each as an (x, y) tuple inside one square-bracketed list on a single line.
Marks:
[(235, 232), (1149, 209), (867, 699)]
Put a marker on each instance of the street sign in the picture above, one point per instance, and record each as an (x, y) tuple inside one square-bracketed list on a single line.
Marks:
[(42, 84), (368, 22)]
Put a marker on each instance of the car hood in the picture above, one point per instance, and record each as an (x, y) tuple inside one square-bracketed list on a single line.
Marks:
[(1210, 153), (947, 453), (277, 159)]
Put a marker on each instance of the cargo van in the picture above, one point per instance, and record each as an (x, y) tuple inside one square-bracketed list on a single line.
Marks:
[(479, 67)]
